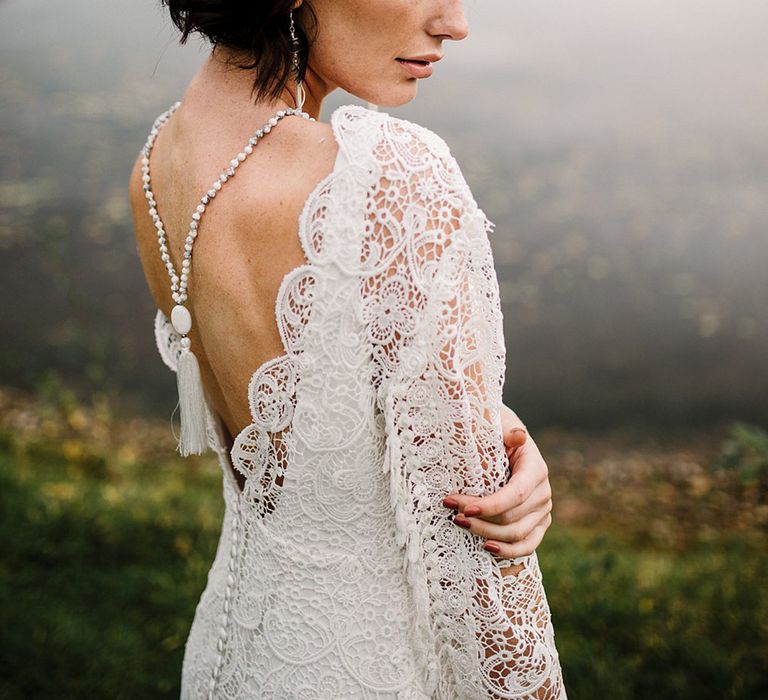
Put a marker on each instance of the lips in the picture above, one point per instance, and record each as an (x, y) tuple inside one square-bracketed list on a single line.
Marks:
[(416, 67)]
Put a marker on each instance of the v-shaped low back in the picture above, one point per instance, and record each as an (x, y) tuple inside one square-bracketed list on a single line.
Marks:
[(338, 573), (271, 391)]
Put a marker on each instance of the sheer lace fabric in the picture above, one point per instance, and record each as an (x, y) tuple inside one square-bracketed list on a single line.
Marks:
[(338, 572)]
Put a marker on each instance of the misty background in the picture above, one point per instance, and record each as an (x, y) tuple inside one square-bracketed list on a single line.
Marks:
[(621, 149)]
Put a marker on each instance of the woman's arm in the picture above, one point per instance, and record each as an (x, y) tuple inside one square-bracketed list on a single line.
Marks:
[(484, 620), (513, 519), (481, 625)]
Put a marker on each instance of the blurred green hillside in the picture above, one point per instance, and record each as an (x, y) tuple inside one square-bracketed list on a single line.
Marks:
[(654, 567)]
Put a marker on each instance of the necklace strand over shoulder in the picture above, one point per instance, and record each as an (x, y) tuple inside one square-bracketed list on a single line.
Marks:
[(191, 399)]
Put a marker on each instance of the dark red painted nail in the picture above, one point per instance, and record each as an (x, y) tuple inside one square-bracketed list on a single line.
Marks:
[(449, 502), (461, 521), (472, 510), (492, 547)]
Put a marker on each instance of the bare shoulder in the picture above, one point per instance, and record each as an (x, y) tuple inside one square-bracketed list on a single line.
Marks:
[(292, 158), (300, 145), (264, 203)]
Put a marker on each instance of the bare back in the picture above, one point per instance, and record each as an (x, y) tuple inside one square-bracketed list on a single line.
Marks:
[(248, 238)]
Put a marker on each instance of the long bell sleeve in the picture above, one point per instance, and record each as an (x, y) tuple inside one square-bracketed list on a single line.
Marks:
[(432, 312)]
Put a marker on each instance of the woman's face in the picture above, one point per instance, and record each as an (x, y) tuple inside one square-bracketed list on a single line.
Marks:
[(362, 46)]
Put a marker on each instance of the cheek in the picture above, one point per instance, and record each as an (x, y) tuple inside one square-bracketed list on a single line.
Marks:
[(345, 46), (357, 43), (368, 33), (353, 57)]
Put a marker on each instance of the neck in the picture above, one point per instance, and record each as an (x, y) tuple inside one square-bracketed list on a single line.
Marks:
[(221, 75)]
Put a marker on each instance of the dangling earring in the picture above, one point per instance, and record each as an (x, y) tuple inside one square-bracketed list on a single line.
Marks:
[(299, 86)]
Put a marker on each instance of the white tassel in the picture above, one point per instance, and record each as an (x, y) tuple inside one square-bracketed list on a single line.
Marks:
[(194, 430)]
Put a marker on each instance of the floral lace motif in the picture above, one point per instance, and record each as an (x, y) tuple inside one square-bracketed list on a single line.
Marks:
[(338, 573)]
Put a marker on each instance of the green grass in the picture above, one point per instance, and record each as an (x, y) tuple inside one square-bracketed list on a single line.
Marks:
[(632, 623), (107, 538), (100, 573)]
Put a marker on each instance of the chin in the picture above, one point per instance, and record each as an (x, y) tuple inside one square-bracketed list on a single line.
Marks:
[(396, 96)]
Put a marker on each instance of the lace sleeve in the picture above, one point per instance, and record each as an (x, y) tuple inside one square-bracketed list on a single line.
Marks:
[(431, 305)]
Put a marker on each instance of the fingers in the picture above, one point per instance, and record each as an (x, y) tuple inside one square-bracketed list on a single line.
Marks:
[(522, 548), (458, 501), (514, 431), (507, 532), (514, 438), (529, 471)]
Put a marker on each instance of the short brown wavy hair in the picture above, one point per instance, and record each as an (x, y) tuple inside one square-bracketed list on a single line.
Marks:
[(257, 28)]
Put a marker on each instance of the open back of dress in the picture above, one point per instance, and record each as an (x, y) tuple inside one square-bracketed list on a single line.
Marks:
[(338, 572)]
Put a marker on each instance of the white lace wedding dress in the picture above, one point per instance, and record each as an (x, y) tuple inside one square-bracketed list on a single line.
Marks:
[(339, 574)]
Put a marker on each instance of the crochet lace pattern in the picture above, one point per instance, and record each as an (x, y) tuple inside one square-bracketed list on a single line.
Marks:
[(339, 573)]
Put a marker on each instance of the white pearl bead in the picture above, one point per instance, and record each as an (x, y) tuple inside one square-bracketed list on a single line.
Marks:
[(234, 162), (217, 185), (181, 319), (273, 122), (188, 246), (174, 280), (184, 276), (240, 157), (200, 208)]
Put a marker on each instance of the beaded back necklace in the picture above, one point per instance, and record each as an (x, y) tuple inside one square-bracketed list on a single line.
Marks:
[(193, 437)]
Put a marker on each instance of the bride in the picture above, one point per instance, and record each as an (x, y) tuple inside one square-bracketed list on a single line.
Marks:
[(338, 344)]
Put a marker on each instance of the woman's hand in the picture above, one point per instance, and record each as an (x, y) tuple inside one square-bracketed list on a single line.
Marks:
[(513, 519)]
